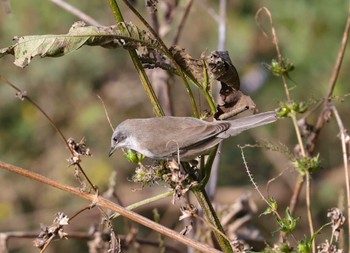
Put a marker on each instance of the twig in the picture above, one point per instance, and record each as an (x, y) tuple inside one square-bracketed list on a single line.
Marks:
[(344, 137), (211, 186), (211, 226), (103, 202), (76, 12), (168, 54), (84, 236), (209, 10), (332, 82), (212, 217), (182, 22), (300, 181), (154, 17), (274, 41), (47, 243), (107, 115), (144, 202), (138, 65), (251, 176), (23, 95)]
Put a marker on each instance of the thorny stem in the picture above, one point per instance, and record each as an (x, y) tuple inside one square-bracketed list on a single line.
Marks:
[(138, 65), (103, 202), (256, 186), (297, 131), (300, 181), (25, 96)]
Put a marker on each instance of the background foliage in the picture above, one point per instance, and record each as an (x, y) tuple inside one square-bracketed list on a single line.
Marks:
[(66, 88)]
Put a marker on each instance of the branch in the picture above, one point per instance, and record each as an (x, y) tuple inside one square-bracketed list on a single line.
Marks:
[(103, 202)]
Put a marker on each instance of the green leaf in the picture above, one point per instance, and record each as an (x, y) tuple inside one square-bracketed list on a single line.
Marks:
[(307, 165), (133, 157), (124, 35), (272, 206), (288, 223)]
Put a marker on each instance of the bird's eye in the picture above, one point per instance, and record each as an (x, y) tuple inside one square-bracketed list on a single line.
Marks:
[(119, 138)]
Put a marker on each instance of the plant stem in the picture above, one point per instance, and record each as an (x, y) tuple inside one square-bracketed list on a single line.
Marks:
[(343, 136), (103, 202), (138, 65), (168, 54), (210, 213), (144, 202)]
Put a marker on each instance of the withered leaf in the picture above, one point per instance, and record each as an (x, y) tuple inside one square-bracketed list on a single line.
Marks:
[(120, 35)]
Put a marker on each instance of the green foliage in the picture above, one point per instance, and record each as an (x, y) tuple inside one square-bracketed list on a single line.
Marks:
[(272, 203), (305, 246), (58, 86), (133, 157), (286, 109), (288, 223), (281, 68), (307, 165)]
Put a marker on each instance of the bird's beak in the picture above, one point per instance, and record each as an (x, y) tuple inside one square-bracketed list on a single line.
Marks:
[(111, 151)]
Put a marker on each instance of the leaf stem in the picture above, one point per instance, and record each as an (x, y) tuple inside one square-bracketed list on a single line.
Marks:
[(168, 54), (138, 65), (210, 213)]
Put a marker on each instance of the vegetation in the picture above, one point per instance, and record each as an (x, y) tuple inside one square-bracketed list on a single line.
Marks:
[(290, 57)]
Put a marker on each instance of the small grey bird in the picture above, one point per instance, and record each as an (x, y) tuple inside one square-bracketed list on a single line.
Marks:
[(181, 138)]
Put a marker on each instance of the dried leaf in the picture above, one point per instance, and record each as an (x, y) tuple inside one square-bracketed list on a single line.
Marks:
[(192, 67), (120, 35)]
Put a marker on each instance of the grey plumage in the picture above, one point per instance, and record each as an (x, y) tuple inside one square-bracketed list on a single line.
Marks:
[(180, 137)]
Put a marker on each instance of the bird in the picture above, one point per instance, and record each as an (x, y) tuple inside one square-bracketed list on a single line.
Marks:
[(181, 138)]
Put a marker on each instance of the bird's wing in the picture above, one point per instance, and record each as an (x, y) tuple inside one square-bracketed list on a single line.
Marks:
[(197, 137), (175, 135)]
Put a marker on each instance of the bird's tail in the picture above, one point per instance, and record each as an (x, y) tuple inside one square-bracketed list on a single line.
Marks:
[(242, 124)]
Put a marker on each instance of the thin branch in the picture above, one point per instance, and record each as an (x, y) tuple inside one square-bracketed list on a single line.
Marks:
[(22, 95), (182, 22), (344, 137), (103, 202), (274, 41), (209, 10), (222, 29), (138, 65), (332, 82), (84, 236), (76, 12), (168, 54), (107, 115), (300, 181)]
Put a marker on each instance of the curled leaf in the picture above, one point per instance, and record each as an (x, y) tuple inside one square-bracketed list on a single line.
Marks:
[(123, 34)]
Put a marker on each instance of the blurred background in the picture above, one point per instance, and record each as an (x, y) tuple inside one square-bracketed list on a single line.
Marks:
[(67, 88)]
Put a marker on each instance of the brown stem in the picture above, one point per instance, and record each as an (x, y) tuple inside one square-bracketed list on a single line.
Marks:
[(23, 95), (103, 202), (332, 82)]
